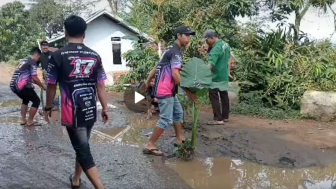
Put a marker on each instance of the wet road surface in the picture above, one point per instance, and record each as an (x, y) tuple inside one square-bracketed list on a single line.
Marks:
[(42, 157)]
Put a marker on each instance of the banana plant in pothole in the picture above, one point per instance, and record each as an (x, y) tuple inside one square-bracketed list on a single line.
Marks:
[(196, 76)]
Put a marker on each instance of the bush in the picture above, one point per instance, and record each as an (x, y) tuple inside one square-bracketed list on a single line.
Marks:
[(283, 71), (141, 61)]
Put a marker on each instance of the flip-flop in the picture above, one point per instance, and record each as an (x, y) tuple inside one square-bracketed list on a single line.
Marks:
[(35, 123), (71, 182), (23, 124), (154, 152), (214, 123)]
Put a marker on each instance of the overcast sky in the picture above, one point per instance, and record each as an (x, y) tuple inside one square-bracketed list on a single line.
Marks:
[(317, 25)]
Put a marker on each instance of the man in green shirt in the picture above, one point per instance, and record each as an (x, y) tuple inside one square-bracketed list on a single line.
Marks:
[(219, 58)]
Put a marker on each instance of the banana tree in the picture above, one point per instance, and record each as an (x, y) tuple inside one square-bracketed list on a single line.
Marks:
[(197, 77)]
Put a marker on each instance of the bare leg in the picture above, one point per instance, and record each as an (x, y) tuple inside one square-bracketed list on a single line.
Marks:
[(78, 173), (179, 132), (94, 177), (32, 113), (24, 110), (155, 136)]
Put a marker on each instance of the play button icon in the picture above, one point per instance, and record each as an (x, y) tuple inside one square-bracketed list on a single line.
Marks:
[(138, 97), (135, 101)]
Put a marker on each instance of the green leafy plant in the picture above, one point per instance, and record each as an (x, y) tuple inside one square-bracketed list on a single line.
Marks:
[(141, 61), (196, 76)]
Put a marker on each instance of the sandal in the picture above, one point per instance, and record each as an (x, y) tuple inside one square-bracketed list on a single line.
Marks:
[(23, 123), (35, 123), (215, 123), (71, 182), (154, 152)]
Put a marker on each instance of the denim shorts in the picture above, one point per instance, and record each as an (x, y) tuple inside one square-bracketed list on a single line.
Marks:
[(170, 112)]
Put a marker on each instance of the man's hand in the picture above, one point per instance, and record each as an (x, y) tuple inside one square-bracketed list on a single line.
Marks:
[(156, 100), (104, 116), (191, 95), (211, 66), (144, 88), (44, 87)]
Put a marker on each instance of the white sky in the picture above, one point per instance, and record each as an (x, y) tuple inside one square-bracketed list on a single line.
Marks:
[(318, 26)]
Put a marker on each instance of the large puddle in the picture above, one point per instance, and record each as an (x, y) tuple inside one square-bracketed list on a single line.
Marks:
[(221, 173)]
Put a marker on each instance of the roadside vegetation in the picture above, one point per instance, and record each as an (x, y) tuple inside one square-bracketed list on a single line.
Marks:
[(279, 64)]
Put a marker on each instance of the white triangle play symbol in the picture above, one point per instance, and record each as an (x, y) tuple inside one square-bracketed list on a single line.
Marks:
[(137, 97)]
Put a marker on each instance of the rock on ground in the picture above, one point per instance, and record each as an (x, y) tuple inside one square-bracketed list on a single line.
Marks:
[(318, 104)]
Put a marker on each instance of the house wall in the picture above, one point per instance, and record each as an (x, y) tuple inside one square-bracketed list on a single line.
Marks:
[(98, 37)]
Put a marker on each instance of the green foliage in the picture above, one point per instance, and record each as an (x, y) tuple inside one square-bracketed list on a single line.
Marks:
[(141, 61), (17, 33), (252, 104), (50, 14), (282, 70)]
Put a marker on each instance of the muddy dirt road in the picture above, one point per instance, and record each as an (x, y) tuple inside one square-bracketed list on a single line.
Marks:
[(246, 153), (42, 157)]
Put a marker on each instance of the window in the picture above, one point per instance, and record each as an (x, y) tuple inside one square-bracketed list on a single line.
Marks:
[(116, 50)]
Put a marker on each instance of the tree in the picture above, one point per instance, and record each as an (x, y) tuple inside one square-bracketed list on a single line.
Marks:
[(299, 8), (17, 32), (50, 14)]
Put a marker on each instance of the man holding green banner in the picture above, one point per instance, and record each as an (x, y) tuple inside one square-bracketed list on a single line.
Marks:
[(219, 58)]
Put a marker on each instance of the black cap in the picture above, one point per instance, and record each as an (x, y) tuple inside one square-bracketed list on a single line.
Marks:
[(210, 34), (44, 43), (183, 30)]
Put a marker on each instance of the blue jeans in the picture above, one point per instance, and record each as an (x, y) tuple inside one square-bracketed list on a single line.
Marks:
[(56, 102), (170, 112), (79, 137)]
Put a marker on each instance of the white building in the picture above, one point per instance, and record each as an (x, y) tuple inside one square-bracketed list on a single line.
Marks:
[(28, 3), (110, 37)]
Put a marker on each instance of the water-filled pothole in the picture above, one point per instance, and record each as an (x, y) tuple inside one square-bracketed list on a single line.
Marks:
[(107, 135), (220, 173)]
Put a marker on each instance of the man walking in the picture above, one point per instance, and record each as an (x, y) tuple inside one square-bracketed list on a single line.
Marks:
[(167, 79), (219, 57), (80, 74), (45, 57), (21, 85)]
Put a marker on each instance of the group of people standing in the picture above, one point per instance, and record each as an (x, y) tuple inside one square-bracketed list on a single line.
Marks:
[(168, 78), (79, 72)]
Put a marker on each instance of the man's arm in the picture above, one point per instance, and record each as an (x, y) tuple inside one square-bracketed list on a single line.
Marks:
[(176, 66), (33, 73), (214, 55), (52, 77), (151, 75), (101, 91)]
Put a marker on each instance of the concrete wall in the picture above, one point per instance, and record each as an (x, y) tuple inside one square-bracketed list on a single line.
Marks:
[(98, 38)]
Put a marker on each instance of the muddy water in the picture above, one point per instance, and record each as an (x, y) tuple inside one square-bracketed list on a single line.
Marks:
[(10, 103), (131, 135), (106, 135), (137, 124), (221, 173)]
